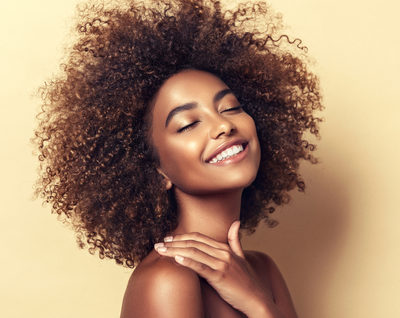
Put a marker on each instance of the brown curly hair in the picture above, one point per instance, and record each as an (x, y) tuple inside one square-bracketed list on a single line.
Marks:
[(98, 169)]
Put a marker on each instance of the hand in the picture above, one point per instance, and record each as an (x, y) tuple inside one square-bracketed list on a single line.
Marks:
[(223, 266)]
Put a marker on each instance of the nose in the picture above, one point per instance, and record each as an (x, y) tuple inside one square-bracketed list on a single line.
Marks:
[(221, 126)]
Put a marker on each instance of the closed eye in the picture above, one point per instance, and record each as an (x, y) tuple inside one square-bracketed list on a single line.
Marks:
[(187, 127), (192, 125), (240, 107)]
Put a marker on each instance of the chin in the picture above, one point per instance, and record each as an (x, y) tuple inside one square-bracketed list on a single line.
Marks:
[(228, 180), (215, 186), (246, 181), (239, 181)]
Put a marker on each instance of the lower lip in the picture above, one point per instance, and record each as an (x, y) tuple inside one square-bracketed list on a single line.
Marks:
[(236, 158)]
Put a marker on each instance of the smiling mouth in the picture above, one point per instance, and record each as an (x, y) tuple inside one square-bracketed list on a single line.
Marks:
[(229, 153)]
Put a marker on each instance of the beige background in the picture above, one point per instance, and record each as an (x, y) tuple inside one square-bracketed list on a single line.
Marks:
[(337, 244)]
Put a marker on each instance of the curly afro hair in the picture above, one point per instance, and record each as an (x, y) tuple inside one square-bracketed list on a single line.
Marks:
[(97, 168)]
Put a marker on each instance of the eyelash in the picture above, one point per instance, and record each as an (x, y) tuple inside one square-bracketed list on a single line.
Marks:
[(187, 127)]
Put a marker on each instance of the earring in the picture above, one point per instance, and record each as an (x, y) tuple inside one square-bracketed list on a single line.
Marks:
[(167, 181), (168, 184)]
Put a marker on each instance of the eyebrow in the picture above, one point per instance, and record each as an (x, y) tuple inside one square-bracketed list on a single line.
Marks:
[(192, 105)]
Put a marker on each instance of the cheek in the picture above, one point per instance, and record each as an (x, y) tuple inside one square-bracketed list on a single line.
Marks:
[(248, 125), (180, 156)]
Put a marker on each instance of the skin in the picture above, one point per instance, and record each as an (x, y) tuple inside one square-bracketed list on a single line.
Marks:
[(200, 270), (202, 188)]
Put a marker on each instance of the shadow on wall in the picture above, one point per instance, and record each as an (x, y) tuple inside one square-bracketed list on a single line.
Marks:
[(308, 242)]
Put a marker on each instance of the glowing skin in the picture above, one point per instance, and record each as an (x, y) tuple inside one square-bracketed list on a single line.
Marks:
[(209, 152), (206, 191)]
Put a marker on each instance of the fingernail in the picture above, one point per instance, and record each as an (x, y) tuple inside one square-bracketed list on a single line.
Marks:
[(158, 245), (179, 258), (161, 249), (168, 238)]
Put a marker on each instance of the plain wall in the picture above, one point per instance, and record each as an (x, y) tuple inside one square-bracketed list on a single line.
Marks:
[(337, 244)]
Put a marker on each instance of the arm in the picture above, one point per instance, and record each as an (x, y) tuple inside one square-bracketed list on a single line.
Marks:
[(165, 290)]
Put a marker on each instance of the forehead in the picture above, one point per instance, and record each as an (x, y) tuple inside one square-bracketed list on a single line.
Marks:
[(186, 86)]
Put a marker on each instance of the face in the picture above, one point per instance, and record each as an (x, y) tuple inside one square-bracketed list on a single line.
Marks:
[(205, 141)]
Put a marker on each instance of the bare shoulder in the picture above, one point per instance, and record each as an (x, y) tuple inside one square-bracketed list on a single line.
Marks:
[(263, 263), (259, 259), (159, 287), (269, 272)]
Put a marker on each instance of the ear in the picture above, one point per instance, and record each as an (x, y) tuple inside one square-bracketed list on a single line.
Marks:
[(168, 183)]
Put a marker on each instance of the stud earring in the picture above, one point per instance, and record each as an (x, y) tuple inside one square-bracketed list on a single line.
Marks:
[(167, 181)]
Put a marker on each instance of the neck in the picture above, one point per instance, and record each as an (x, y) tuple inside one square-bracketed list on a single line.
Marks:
[(211, 215)]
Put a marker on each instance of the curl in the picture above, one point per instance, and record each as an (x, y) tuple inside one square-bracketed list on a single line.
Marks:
[(98, 170)]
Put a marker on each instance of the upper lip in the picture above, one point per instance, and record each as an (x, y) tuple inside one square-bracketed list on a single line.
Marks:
[(226, 145)]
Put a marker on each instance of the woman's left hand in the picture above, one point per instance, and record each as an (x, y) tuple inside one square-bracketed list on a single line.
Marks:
[(223, 266)]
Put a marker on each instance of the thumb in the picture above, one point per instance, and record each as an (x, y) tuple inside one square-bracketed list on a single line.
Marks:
[(233, 239)]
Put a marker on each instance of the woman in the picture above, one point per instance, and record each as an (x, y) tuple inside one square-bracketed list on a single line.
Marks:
[(168, 125)]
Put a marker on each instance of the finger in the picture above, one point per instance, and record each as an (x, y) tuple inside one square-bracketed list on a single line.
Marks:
[(197, 237), (233, 239), (208, 249), (202, 269), (194, 254)]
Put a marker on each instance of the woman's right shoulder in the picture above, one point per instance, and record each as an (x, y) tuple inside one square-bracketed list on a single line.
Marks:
[(160, 287)]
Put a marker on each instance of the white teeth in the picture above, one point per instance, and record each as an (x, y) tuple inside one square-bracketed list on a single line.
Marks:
[(227, 153)]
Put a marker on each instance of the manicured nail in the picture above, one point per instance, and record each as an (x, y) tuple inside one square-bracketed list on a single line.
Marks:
[(158, 245), (161, 249), (168, 238), (179, 258)]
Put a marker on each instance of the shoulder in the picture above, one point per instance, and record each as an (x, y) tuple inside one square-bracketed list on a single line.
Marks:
[(260, 258), (161, 287), (268, 271), (263, 263)]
